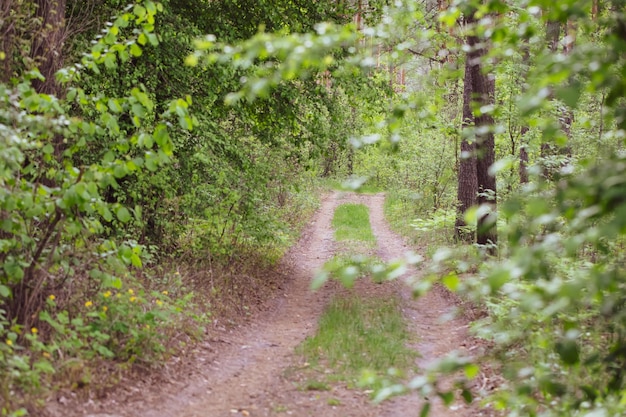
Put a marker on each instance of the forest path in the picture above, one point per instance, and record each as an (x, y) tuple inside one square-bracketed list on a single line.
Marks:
[(253, 370)]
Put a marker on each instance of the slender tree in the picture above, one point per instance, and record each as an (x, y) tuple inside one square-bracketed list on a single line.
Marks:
[(523, 158), (47, 48)]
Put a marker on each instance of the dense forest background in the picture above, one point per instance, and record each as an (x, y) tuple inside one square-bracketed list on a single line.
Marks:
[(158, 158)]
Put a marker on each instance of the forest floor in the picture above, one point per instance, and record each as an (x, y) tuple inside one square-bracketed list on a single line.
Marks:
[(253, 370)]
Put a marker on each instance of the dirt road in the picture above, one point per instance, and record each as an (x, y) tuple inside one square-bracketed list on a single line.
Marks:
[(253, 371)]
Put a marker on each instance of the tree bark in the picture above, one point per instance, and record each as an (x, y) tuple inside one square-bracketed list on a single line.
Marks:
[(47, 53), (7, 38), (47, 48), (467, 184), (523, 158), (483, 90)]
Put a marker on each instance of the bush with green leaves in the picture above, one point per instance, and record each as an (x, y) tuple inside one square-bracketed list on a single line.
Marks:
[(58, 209)]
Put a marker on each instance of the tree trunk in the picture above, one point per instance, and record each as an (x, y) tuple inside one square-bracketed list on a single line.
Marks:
[(47, 53), (523, 158), (467, 187), (483, 90), (47, 48), (7, 38), (566, 117), (594, 10)]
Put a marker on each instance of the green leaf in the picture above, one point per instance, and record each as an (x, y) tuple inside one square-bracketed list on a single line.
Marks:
[(447, 397), (467, 396), (14, 271), (114, 105), (135, 50), (139, 11), (123, 214), (110, 61), (104, 351), (186, 122), (191, 60), (451, 281), (471, 370), (48, 149), (135, 260), (152, 38), (498, 278), (151, 7), (319, 280), (161, 135), (425, 410), (125, 253), (110, 281), (138, 110), (44, 366), (5, 291), (119, 171)]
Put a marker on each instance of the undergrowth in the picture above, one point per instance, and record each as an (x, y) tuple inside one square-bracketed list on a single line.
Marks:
[(423, 228), (84, 340)]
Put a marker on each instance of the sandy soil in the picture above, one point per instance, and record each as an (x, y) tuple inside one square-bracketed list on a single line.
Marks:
[(253, 371)]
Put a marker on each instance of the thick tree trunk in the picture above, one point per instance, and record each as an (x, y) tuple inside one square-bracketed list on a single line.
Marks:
[(483, 89), (467, 185)]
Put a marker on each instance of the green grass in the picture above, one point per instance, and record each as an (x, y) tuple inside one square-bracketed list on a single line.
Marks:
[(356, 334), (352, 222), (422, 227), (315, 385)]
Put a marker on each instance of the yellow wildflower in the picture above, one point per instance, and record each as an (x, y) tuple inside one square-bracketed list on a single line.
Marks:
[(34, 330), (88, 304), (52, 297), (130, 291), (133, 299), (107, 294), (46, 355), (105, 308), (9, 342), (159, 302), (165, 292)]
